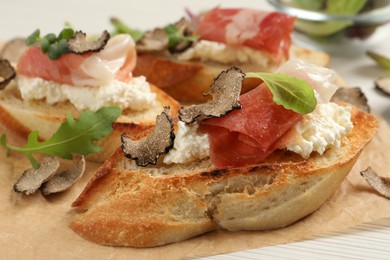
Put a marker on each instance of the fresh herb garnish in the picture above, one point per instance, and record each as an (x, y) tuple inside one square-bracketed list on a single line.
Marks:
[(290, 92), (380, 59), (120, 27), (175, 36), (54, 46), (73, 136)]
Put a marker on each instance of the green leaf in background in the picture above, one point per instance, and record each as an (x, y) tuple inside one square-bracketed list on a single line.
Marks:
[(173, 34), (344, 6), (335, 7), (312, 5), (321, 28), (380, 59), (73, 136), (292, 93), (120, 27)]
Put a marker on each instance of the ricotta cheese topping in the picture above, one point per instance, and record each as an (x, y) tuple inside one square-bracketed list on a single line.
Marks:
[(322, 128), (135, 95), (222, 53), (189, 145)]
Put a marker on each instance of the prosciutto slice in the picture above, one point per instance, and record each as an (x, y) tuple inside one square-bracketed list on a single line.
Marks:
[(115, 61), (248, 135), (260, 30)]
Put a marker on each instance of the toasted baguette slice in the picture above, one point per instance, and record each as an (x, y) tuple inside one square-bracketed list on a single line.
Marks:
[(126, 205), (187, 81), (21, 117)]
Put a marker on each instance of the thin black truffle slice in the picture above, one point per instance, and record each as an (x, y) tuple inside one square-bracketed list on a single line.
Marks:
[(184, 27), (353, 96), (79, 43), (380, 184), (225, 90), (383, 84), (64, 180), (148, 150), (32, 179), (13, 49), (7, 73), (153, 41)]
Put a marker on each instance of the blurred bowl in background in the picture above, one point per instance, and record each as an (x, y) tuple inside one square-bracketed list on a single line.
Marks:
[(341, 27)]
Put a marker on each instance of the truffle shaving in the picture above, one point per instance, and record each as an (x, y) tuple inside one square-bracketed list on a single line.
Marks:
[(225, 90), (13, 49), (148, 150), (383, 84), (353, 96), (153, 41), (64, 180), (380, 184), (184, 27), (7, 73), (32, 179), (79, 43), (158, 39)]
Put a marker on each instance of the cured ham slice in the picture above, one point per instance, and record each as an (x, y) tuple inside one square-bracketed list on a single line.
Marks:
[(260, 30), (115, 61), (248, 135)]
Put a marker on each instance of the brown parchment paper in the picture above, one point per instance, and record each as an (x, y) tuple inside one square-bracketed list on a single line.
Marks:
[(36, 227)]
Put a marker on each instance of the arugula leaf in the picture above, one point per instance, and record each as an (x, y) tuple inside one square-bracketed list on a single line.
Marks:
[(380, 59), (33, 38), (175, 36), (120, 27), (52, 45), (290, 92), (73, 136)]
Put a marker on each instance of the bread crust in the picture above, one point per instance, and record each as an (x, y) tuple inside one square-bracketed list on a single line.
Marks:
[(20, 117), (187, 81), (125, 205)]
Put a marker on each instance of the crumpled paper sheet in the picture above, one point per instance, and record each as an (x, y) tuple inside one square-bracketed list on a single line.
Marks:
[(36, 227)]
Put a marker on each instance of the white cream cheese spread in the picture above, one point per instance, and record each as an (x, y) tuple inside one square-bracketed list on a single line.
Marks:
[(322, 128), (189, 145), (222, 53), (135, 95), (317, 131)]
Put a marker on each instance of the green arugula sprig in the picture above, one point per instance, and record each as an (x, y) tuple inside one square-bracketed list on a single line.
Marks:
[(173, 33), (55, 46), (175, 36), (121, 27), (73, 136), (381, 60), (290, 92)]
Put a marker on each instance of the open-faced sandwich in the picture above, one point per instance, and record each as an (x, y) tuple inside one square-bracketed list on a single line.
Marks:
[(185, 57), (69, 73), (258, 161)]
